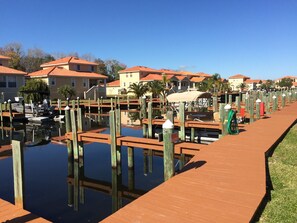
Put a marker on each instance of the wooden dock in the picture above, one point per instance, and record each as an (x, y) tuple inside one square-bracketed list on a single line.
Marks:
[(9, 213), (224, 183), (186, 148)]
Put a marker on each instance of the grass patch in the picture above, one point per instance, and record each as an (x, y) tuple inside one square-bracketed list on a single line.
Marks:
[(283, 173)]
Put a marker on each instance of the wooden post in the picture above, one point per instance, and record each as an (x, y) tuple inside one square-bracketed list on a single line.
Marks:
[(59, 106), (168, 150), (10, 111), (98, 105), (237, 100), (18, 172), (230, 99), (113, 143), (78, 102), (1, 113), (111, 104), (73, 104), (251, 110), (274, 106), (128, 102), (74, 134), (89, 105), (283, 100), (169, 116), (130, 151), (222, 112), (182, 121), (258, 101), (150, 119), (226, 110), (192, 134), (118, 133), (215, 104), (70, 154)]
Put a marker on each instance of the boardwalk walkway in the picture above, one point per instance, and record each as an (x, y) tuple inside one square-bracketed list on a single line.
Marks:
[(12, 214), (224, 183)]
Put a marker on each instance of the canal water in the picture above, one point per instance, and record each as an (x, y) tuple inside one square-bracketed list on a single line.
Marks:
[(50, 190)]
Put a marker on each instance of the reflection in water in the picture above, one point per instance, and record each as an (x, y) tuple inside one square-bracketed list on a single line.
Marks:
[(93, 190)]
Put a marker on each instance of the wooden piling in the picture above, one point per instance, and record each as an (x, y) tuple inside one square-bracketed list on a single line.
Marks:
[(10, 111), (237, 101), (182, 121), (251, 102), (130, 151), (59, 106), (18, 172), (230, 100), (113, 143), (150, 119), (74, 135), (1, 113), (215, 103), (258, 101), (169, 116), (168, 150), (78, 102)]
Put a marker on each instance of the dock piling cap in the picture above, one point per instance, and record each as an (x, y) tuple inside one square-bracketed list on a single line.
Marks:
[(258, 100), (67, 108), (274, 97), (167, 125), (227, 107)]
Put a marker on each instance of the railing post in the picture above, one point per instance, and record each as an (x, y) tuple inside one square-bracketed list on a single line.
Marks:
[(258, 101)]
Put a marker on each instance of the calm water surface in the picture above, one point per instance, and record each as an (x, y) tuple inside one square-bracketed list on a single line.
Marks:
[(49, 190)]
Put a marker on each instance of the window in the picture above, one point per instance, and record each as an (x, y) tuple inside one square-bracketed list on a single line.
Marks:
[(85, 82), (72, 82), (78, 67), (126, 75), (130, 75), (3, 81), (124, 84), (53, 81), (92, 68), (11, 81)]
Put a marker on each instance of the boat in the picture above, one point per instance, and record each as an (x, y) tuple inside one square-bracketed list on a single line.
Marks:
[(39, 113)]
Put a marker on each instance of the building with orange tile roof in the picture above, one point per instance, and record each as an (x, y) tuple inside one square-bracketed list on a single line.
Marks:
[(253, 84), (10, 80), (75, 72), (236, 80), (179, 80)]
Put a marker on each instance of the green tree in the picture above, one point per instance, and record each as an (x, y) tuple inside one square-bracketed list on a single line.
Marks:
[(269, 84), (286, 82), (138, 89), (66, 91), (113, 67), (15, 52), (35, 90), (102, 69)]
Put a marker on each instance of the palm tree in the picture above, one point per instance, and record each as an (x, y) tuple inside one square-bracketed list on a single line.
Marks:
[(242, 86), (138, 89), (156, 88)]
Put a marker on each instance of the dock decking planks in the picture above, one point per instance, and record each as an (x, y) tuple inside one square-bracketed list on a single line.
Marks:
[(225, 183), (11, 213)]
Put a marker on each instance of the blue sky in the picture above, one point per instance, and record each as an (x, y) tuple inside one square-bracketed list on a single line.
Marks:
[(257, 38)]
